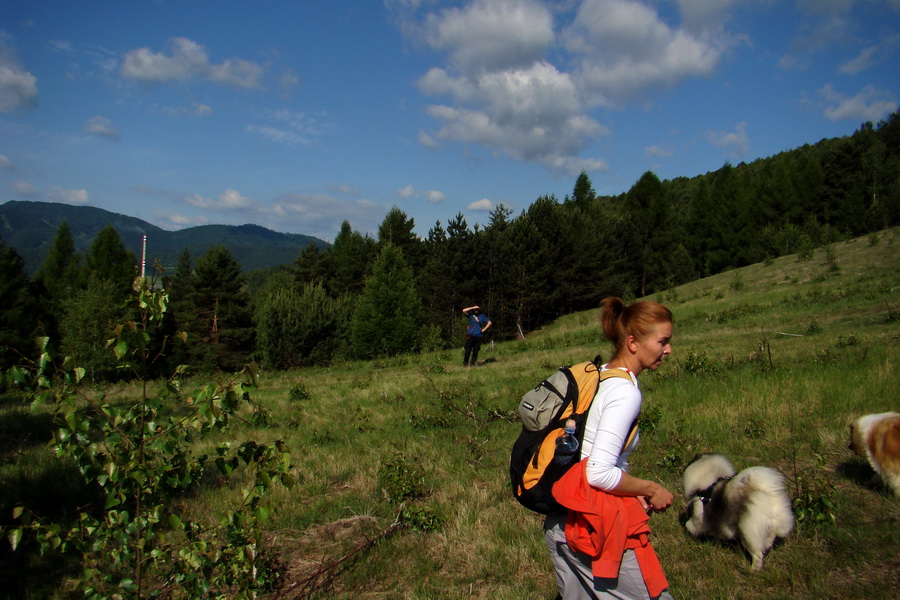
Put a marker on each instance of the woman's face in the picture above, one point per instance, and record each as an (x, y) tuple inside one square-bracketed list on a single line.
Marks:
[(652, 349)]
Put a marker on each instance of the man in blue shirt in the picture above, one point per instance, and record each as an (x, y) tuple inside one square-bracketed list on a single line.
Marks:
[(478, 324)]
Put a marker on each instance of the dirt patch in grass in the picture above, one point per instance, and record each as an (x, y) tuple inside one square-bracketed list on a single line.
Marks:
[(311, 560)]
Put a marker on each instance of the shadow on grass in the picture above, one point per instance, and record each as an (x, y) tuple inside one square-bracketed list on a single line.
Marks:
[(52, 490), (856, 470), (21, 429)]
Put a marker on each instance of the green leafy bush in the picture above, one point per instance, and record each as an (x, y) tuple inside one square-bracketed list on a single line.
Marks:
[(143, 456)]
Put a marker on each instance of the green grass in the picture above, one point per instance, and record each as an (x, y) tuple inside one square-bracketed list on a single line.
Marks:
[(770, 364)]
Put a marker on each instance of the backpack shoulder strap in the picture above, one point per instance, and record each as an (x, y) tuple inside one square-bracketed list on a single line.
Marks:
[(609, 374)]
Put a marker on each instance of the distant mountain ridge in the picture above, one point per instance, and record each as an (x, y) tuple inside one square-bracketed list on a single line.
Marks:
[(29, 227)]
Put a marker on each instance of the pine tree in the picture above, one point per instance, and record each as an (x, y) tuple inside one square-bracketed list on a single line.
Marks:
[(434, 283), (387, 317), (647, 213), (351, 256), (583, 193), (312, 265), (109, 260), (222, 318), (60, 271), (298, 329), (88, 322), (397, 229), (19, 309)]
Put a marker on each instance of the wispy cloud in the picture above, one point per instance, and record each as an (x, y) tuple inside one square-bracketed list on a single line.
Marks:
[(101, 127), (177, 221), (736, 142), (229, 200), (68, 196), (291, 128), (188, 60), (320, 214), (870, 104), (655, 151), (18, 87), (432, 196), (23, 189)]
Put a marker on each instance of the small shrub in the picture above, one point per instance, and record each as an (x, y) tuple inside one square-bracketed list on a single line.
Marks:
[(755, 428), (400, 479), (737, 282), (813, 494), (430, 339), (395, 399), (421, 519), (697, 363), (846, 342), (813, 328), (298, 392), (361, 419)]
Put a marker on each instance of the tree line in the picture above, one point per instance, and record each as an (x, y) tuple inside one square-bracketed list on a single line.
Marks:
[(368, 297)]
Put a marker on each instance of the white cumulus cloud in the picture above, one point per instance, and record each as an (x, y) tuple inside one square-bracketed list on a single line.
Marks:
[(626, 49), (522, 78), (492, 34), (483, 205)]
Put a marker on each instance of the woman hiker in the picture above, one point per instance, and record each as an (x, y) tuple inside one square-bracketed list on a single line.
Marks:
[(600, 493)]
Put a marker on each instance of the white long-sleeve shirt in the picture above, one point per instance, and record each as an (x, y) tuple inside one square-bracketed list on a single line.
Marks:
[(614, 409)]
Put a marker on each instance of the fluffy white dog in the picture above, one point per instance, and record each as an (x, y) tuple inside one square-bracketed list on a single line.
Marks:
[(752, 507), (877, 439)]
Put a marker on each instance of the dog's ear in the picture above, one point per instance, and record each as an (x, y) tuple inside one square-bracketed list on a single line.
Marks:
[(697, 457)]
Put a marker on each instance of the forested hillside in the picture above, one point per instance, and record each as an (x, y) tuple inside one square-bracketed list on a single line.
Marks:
[(364, 297), (29, 228)]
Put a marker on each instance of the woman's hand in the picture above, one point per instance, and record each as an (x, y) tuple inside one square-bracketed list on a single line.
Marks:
[(660, 500)]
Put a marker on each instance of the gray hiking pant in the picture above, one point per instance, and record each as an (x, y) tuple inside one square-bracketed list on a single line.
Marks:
[(573, 571)]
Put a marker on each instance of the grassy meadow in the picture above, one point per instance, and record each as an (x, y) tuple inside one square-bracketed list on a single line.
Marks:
[(771, 362)]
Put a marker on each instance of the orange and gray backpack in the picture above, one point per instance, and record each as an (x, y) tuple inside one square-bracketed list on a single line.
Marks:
[(567, 394)]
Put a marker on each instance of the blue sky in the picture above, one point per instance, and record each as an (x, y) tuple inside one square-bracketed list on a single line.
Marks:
[(298, 115)]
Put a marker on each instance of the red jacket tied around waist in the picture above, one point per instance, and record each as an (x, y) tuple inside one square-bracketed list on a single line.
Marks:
[(604, 525)]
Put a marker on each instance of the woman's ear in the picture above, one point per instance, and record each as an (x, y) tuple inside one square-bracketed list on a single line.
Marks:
[(631, 344)]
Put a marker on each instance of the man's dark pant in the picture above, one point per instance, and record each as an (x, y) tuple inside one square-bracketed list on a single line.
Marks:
[(473, 345)]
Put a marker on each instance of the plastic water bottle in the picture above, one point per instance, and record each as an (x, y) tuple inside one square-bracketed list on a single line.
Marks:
[(566, 445)]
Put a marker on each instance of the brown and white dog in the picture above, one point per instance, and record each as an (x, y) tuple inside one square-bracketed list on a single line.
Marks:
[(877, 439)]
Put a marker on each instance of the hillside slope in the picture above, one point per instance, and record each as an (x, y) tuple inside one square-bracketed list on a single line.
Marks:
[(29, 228)]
